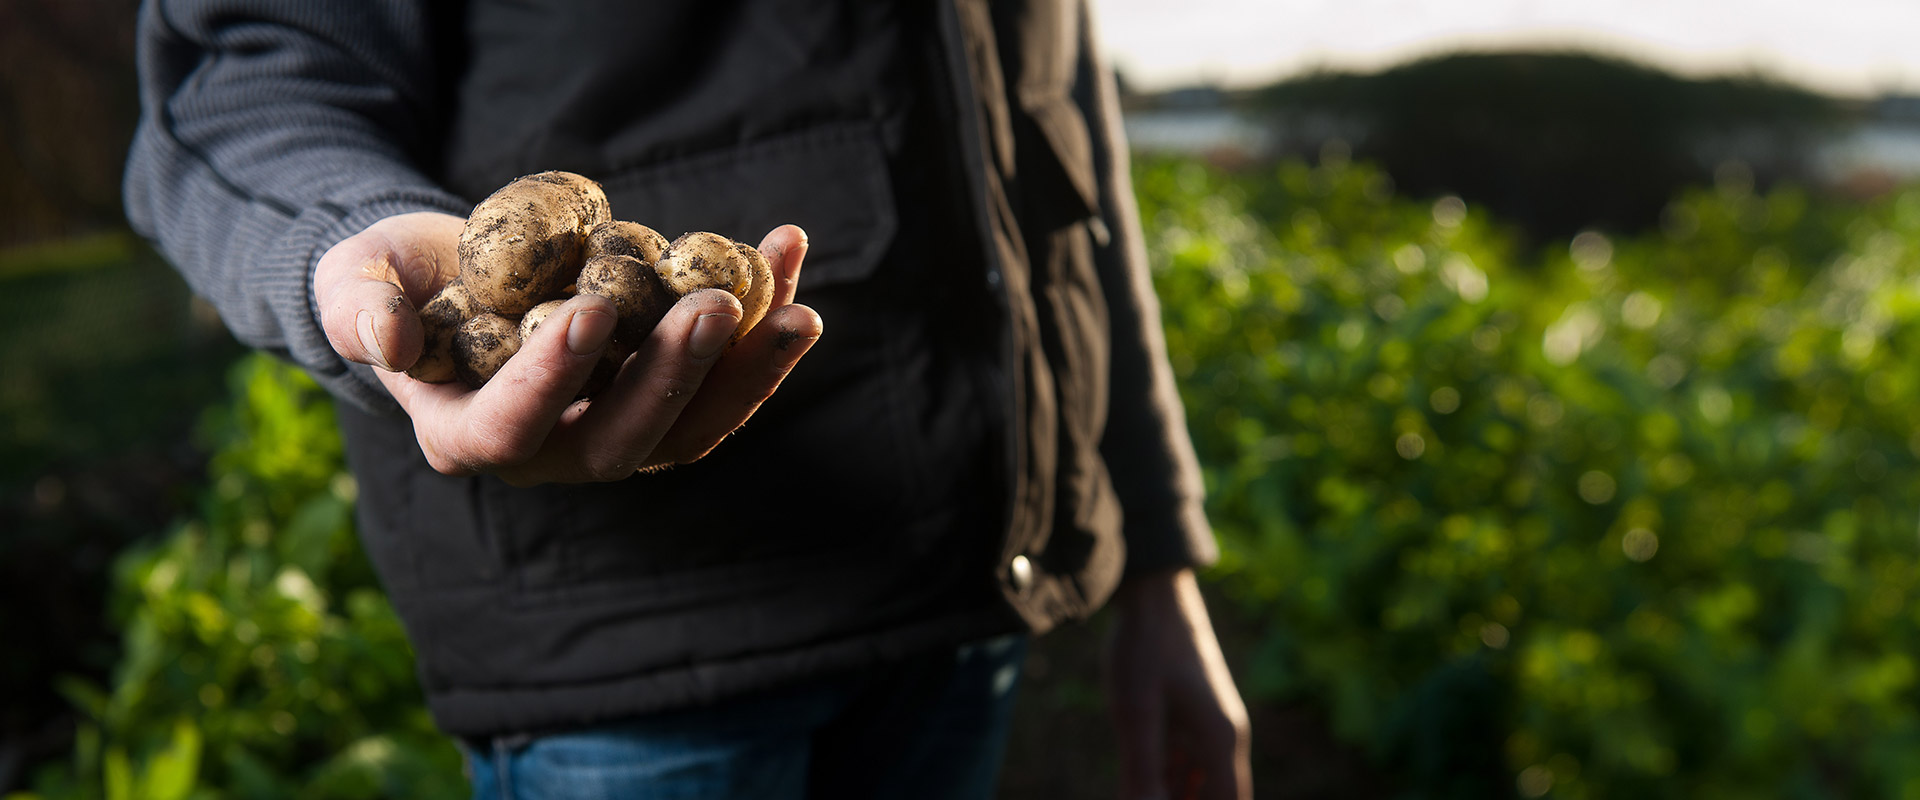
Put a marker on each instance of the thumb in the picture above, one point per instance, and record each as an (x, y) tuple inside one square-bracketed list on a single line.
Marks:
[(368, 321), (361, 286)]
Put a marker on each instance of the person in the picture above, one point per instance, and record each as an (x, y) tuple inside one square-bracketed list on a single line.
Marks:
[(646, 593)]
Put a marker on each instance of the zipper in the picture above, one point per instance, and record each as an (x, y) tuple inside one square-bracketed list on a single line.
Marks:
[(974, 163)]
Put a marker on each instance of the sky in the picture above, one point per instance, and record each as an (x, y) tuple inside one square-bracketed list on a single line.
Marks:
[(1848, 47)]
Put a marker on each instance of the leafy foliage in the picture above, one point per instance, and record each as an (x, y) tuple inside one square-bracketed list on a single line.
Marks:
[(261, 658), (1624, 518), (83, 471), (1634, 521)]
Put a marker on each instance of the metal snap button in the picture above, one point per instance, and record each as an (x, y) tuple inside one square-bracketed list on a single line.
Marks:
[(1020, 570)]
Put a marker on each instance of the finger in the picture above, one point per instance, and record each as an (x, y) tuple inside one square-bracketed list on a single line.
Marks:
[(507, 422), (1141, 720), (370, 322), (424, 402), (368, 286), (620, 430), (739, 383), (785, 248)]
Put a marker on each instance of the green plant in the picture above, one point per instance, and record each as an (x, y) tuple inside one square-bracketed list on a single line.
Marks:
[(261, 659), (1630, 517), (1635, 519)]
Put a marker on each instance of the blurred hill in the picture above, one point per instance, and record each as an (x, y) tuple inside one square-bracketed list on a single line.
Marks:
[(1555, 142)]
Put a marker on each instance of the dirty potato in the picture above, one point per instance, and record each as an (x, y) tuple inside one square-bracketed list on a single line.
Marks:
[(536, 316), (483, 346), (704, 260), (547, 236), (621, 238), (440, 320), (523, 244), (639, 298), (753, 304)]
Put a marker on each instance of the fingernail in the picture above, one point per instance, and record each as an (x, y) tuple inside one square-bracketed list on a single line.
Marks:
[(710, 333), (588, 332), (369, 342)]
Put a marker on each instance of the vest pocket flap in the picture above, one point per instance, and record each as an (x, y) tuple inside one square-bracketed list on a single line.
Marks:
[(1065, 129), (832, 181)]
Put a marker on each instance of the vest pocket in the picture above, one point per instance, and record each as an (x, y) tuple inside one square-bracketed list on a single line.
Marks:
[(830, 180)]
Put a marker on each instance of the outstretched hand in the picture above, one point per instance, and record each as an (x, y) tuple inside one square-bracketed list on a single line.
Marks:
[(1182, 726), (675, 398)]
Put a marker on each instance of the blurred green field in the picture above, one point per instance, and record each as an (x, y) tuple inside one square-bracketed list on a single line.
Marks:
[(1630, 517), (1626, 516), (105, 368), (103, 347)]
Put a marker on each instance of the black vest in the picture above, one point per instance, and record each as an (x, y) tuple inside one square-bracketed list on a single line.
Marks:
[(860, 514)]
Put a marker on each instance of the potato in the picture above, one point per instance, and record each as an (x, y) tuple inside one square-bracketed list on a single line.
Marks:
[(550, 235), (538, 315), (621, 238), (753, 304), (523, 244), (703, 260), (440, 320), (639, 298), (483, 346)]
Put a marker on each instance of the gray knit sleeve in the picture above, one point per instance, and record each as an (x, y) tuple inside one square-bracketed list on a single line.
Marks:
[(270, 130)]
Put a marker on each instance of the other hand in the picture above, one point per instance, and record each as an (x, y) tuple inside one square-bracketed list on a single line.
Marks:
[(1182, 727)]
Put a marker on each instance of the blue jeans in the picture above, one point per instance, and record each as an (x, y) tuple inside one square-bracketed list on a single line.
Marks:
[(932, 727)]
